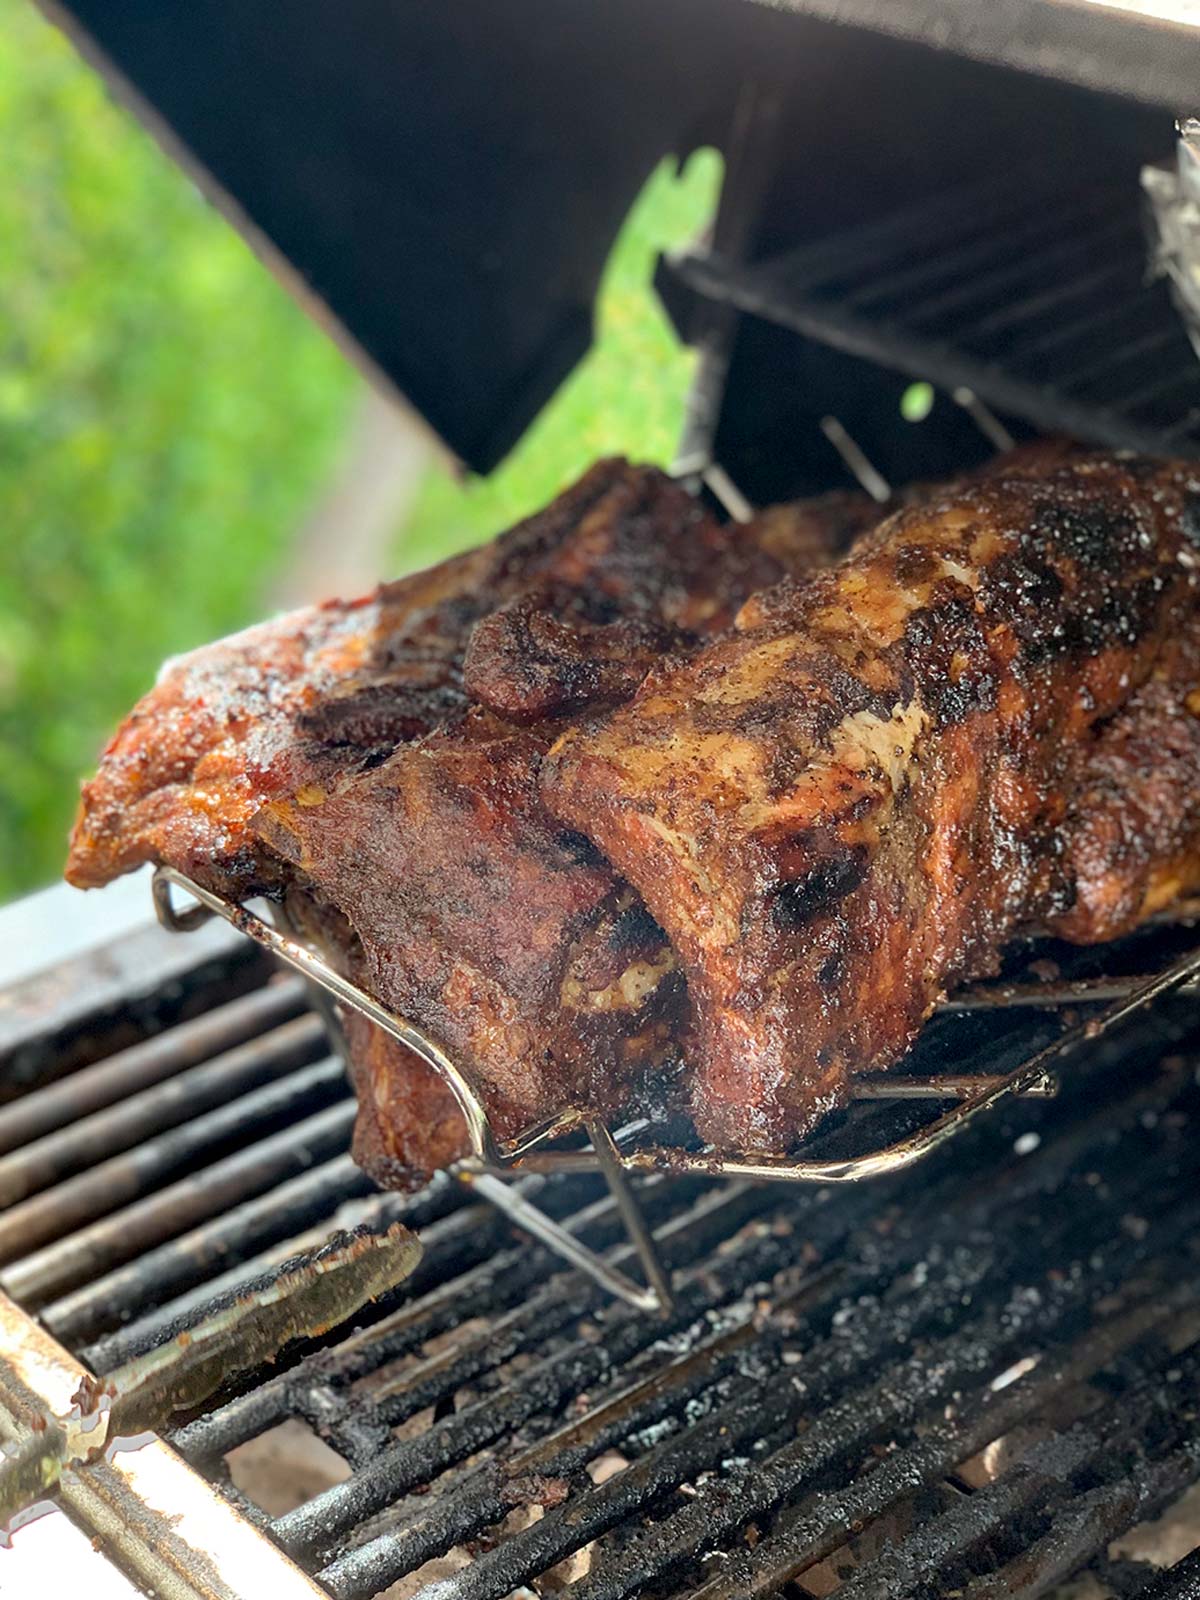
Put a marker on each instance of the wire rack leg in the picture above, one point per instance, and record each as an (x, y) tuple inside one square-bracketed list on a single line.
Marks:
[(555, 1237), (631, 1214)]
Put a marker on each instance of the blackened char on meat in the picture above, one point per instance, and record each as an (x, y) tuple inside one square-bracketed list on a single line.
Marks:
[(375, 764), (981, 721)]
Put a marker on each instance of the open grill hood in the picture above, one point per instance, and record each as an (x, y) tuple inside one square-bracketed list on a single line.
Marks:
[(442, 184), (966, 1379)]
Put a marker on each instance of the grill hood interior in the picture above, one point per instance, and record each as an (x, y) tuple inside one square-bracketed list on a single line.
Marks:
[(442, 184)]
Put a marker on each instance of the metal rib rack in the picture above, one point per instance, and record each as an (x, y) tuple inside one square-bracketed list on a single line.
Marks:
[(536, 1149), (1031, 293)]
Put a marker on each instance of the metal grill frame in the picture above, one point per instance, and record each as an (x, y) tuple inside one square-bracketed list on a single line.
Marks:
[(169, 1525)]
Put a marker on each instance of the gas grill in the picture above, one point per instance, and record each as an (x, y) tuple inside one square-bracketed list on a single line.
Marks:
[(974, 1376)]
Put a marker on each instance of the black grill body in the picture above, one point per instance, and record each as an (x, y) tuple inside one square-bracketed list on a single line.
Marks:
[(446, 182)]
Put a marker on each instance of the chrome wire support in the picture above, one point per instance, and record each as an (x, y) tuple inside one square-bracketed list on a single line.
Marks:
[(492, 1160)]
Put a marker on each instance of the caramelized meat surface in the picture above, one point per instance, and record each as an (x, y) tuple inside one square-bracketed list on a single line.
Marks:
[(629, 777), (503, 935), (852, 800), (285, 707), (375, 763), (578, 598), (1133, 829)]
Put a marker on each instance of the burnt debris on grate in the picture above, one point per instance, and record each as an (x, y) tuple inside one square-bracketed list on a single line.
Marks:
[(991, 1360), (1031, 292)]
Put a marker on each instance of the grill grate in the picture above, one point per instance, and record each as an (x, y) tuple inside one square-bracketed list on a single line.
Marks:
[(1030, 292), (836, 1359)]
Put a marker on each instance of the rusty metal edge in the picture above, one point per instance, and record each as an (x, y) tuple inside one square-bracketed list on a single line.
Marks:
[(158, 1517)]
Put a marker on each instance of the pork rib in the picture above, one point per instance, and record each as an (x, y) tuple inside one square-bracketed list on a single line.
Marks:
[(375, 764), (855, 798), (504, 936)]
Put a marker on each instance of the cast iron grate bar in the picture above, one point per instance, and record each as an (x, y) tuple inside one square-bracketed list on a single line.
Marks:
[(813, 1531), (181, 1099), (471, 1439), (878, 1332), (136, 1069), (1019, 298), (229, 1432), (296, 1125)]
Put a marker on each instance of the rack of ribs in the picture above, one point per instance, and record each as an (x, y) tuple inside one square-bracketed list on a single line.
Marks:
[(374, 765), (981, 722)]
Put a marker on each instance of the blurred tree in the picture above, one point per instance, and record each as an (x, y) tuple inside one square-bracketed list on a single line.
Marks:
[(166, 414)]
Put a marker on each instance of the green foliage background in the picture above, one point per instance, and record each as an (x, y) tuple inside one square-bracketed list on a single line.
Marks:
[(167, 415)]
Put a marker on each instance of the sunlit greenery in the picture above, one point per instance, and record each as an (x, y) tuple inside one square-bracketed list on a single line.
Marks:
[(167, 415)]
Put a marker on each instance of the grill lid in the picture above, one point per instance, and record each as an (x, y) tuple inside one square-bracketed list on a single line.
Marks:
[(1145, 49), (442, 184)]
